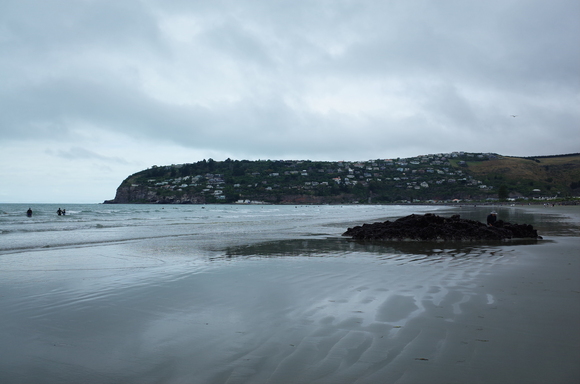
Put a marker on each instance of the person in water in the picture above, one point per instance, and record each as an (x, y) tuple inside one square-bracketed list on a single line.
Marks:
[(59, 212), (29, 212), (491, 219)]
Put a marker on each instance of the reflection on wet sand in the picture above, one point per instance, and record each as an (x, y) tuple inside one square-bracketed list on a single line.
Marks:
[(410, 250)]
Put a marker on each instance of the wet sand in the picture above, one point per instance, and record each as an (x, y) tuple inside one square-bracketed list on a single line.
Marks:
[(309, 310)]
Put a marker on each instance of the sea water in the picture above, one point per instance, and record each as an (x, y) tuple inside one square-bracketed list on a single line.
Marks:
[(210, 224), (215, 226)]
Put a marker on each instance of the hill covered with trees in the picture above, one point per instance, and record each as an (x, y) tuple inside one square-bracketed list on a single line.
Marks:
[(427, 178)]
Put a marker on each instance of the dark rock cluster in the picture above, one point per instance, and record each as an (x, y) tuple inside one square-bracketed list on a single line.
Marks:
[(433, 227)]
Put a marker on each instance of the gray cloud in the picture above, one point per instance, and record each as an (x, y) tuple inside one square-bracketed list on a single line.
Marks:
[(78, 153), (275, 79)]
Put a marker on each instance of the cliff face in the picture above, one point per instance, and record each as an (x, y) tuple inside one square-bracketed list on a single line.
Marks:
[(129, 194)]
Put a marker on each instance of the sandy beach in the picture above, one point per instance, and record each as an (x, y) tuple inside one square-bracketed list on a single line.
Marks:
[(311, 309)]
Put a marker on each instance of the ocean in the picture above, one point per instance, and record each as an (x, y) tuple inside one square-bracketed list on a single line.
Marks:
[(209, 225), (214, 226), (275, 294)]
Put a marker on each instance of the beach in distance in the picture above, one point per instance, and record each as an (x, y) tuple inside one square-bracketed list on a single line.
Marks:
[(274, 294)]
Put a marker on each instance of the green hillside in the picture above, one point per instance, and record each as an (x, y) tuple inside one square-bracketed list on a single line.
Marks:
[(438, 177), (552, 176)]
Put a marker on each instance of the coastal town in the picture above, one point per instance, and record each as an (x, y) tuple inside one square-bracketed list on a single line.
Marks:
[(427, 178)]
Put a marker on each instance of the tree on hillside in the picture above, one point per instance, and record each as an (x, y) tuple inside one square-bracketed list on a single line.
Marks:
[(502, 193)]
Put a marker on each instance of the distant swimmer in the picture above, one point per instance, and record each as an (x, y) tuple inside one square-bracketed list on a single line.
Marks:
[(29, 212), (59, 212)]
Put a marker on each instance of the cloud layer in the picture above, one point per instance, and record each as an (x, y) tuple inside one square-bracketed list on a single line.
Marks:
[(116, 86)]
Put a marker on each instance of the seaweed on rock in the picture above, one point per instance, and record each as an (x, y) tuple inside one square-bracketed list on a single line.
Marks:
[(433, 227)]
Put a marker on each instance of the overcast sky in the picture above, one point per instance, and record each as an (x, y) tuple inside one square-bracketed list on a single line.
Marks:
[(92, 91)]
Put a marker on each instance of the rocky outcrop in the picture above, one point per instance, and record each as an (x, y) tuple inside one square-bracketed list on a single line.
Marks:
[(433, 227), (129, 194)]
